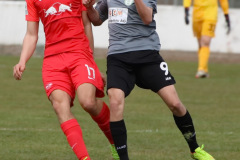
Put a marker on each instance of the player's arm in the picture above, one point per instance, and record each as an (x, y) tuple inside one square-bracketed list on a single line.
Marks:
[(28, 48), (88, 29), (225, 7), (145, 12), (92, 13), (186, 5), (89, 34)]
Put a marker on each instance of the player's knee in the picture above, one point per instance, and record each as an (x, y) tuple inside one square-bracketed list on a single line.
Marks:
[(176, 106), (205, 42), (56, 106), (89, 105), (115, 102), (116, 105), (60, 106), (116, 110), (60, 100)]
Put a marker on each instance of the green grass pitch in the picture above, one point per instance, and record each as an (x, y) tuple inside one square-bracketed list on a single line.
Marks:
[(29, 129)]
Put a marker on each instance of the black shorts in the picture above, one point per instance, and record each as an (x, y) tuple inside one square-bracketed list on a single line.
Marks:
[(146, 69)]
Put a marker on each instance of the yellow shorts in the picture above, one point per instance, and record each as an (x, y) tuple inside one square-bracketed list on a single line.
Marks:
[(204, 28)]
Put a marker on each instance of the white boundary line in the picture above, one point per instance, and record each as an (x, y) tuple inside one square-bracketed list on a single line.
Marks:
[(129, 131)]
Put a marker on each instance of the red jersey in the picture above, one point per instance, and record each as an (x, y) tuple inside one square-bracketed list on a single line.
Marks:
[(63, 25)]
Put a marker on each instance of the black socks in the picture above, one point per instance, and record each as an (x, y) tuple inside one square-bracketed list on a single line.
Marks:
[(119, 134), (185, 125)]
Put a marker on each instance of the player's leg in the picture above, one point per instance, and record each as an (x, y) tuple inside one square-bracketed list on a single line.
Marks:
[(162, 82), (120, 82), (157, 77), (88, 82), (207, 32), (197, 30), (181, 116), (61, 103), (98, 109), (183, 121), (61, 93), (117, 124), (204, 53), (86, 95), (103, 120)]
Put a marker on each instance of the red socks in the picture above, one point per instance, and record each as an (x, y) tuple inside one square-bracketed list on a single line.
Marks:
[(73, 132), (103, 122)]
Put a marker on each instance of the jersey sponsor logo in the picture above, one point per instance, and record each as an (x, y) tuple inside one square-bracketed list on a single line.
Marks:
[(117, 15), (57, 9)]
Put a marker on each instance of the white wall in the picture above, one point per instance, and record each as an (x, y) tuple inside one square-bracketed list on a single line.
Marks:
[(173, 32)]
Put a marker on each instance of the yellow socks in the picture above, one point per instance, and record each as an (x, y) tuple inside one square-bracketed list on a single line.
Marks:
[(203, 57)]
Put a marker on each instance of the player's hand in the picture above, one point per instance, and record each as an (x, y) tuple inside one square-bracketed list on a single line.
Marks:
[(18, 70), (103, 79), (88, 3), (186, 16), (228, 23)]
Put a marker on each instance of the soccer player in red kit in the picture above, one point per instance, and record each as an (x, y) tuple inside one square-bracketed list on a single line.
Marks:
[(68, 66)]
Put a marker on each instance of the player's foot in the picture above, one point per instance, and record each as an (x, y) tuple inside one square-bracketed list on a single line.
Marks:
[(201, 74), (200, 154), (114, 152)]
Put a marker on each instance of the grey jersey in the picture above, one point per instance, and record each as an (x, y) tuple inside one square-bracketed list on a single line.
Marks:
[(127, 32)]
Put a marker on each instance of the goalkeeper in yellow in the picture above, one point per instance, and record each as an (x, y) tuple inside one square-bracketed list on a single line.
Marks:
[(204, 19)]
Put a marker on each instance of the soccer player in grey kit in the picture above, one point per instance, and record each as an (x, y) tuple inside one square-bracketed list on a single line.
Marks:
[(133, 58)]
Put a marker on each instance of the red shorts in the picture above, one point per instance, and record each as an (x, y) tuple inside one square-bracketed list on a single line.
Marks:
[(66, 71)]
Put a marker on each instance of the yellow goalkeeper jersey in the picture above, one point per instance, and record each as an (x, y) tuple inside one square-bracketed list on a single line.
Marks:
[(206, 9)]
